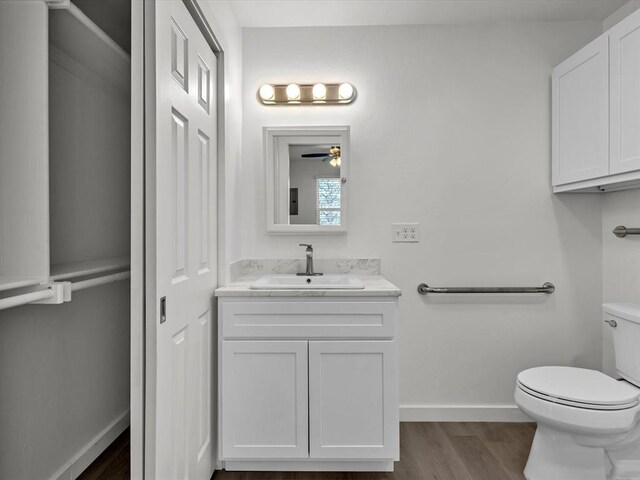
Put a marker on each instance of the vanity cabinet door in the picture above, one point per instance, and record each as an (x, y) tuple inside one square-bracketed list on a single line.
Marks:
[(580, 115), (264, 400), (624, 48), (353, 400)]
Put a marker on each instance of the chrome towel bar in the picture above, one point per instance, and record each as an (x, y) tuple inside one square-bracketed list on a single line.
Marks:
[(548, 287), (621, 231)]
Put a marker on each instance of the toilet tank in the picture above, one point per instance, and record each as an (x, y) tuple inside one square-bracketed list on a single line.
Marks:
[(624, 321)]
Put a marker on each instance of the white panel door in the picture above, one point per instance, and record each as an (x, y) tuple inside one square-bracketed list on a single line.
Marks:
[(353, 400), (624, 45), (580, 115), (181, 244), (264, 400)]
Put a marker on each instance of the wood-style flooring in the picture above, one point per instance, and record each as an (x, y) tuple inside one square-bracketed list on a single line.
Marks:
[(428, 451), (113, 464)]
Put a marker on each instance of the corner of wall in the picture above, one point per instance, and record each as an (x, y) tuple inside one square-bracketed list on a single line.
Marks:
[(222, 17)]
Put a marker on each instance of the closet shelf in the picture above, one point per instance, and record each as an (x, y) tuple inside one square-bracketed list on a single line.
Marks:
[(79, 38), (74, 30), (10, 283), (67, 271)]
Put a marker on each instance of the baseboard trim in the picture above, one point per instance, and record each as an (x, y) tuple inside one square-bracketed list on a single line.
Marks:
[(92, 450), (308, 465), (462, 413)]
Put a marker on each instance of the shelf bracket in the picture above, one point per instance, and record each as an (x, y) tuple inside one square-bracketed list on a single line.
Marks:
[(61, 293)]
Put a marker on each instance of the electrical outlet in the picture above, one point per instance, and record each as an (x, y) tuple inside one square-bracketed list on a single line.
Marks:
[(405, 232)]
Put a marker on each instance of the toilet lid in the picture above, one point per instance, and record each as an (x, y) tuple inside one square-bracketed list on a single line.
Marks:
[(579, 387)]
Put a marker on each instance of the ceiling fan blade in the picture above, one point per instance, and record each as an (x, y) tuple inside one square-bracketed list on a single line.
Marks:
[(313, 155)]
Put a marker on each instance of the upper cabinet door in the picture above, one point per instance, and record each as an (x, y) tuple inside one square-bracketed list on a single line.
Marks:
[(624, 41), (581, 115)]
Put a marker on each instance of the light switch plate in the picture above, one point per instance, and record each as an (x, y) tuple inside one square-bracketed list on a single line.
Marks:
[(405, 232)]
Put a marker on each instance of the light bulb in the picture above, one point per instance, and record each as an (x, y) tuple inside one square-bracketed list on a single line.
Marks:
[(293, 91), (333, 162), (345, 91), (339, 161), (319, 91), (267, 92)]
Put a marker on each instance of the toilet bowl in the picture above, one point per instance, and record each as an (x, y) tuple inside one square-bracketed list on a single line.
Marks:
[(580, 414), (588, 422)]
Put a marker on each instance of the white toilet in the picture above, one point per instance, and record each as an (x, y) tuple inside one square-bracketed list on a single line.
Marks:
[(588, 423)]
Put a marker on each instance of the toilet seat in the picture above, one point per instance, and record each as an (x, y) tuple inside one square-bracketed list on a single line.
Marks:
[(562, 401), (578, 387)]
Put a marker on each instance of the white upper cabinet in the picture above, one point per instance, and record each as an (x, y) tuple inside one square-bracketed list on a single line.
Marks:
[(580, 93), (624, 41), (596, 113)]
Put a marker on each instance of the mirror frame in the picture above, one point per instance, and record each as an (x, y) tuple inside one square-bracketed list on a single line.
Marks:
[(274, 170)]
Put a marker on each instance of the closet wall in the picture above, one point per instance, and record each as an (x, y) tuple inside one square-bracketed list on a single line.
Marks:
[(64, 379), (64, 369)]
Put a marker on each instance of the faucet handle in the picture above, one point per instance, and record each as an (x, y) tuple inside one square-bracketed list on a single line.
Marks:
[(308, 245)]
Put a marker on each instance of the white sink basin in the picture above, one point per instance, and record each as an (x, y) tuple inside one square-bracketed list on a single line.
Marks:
[(302, 282)]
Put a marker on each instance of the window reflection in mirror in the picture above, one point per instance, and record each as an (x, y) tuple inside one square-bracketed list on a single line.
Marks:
[(314, 184)]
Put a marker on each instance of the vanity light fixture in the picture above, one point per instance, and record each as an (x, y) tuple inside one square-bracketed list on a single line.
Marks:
[(293, 91), (267, 92), (345, 91), (319, 91), (307, 94)]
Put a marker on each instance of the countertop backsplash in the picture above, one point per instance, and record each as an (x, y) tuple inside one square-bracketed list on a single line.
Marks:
[(253, 269)]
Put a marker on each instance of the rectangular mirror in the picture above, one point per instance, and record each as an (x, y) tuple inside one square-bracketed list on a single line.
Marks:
[(306, 179)]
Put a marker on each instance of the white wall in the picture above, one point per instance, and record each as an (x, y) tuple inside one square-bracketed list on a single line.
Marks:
[(620, 258), (64, 377), (223, 21), (463, 112), (620, 264)]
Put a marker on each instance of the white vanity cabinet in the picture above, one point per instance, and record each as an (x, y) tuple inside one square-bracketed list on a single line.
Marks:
[(308, 383), (596, 113)]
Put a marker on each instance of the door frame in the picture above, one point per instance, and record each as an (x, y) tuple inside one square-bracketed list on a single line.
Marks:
[(144, 312)]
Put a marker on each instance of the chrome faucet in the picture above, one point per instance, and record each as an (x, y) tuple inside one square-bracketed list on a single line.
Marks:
[(309, 253)]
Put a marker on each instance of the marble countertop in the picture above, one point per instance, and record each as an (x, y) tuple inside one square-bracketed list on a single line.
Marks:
[(374, 286)]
